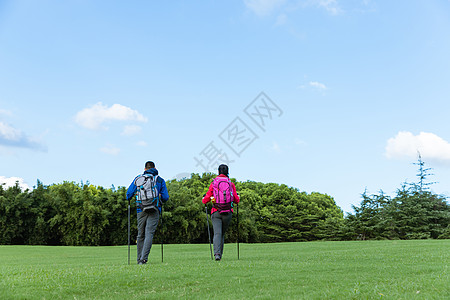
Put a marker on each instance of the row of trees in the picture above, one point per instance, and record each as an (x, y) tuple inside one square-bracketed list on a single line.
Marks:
[(84, 214), (63, 214), (413, 213)]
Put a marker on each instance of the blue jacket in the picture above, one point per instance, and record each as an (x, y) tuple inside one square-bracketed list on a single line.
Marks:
[(160, 185)]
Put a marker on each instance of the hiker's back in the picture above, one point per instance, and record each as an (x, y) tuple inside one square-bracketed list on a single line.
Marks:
[(147, 191), (223, 194)]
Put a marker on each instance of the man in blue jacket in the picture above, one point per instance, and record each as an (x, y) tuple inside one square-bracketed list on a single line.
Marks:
[(147, 219)]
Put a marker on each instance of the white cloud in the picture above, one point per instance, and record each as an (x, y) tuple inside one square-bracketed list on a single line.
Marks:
[(314, 85), (129, 130), (13, 137), (330, 6), (94, 116), (9, 133), (109, 149), (11, 181), (267, 7), (263, 7), (318, 85), (142, 143), (406, 145)]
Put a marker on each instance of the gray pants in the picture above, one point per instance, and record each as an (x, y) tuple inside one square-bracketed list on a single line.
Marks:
[(146, 225), (220, 225)]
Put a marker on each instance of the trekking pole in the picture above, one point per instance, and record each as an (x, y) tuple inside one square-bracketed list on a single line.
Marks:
[(129, 238), (209, 234), (162, 235), (237, 217)]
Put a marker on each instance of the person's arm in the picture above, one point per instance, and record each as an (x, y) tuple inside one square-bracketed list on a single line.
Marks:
[(235, 194), (131, 190), (164, 192), (208, 195)]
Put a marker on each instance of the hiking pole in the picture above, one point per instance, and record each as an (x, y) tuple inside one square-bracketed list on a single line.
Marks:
[(209, 234), (162, 235), (237, 217), (129, 231)]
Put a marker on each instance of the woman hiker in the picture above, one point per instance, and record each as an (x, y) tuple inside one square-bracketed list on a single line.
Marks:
[(222, 193)]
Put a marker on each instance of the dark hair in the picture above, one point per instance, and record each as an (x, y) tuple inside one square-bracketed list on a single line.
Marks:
[(223, 169), (149, 165)]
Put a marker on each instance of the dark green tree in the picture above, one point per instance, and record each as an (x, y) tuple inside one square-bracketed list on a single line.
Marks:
[(414, 213), (368, 220)]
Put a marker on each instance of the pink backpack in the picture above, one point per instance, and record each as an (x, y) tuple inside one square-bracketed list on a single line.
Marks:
[(223, 193)]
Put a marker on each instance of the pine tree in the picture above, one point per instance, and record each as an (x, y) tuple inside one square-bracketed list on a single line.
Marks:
[(419, 212), (422, 175)]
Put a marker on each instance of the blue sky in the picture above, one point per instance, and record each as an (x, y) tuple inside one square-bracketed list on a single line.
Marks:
[(323, 95)]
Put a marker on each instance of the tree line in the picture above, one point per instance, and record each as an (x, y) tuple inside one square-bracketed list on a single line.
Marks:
[(75, 214), (415, 212)]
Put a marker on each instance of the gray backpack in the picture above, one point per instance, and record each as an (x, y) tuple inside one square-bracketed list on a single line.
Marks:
[(147, 192)]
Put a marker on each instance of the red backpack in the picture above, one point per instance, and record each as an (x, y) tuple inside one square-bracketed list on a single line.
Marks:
[(223, 193)]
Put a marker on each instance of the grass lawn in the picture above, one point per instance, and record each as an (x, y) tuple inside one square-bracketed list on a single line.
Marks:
[(315, 270)]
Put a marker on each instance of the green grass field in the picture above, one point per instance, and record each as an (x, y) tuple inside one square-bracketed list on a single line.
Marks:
[(314, 270)]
